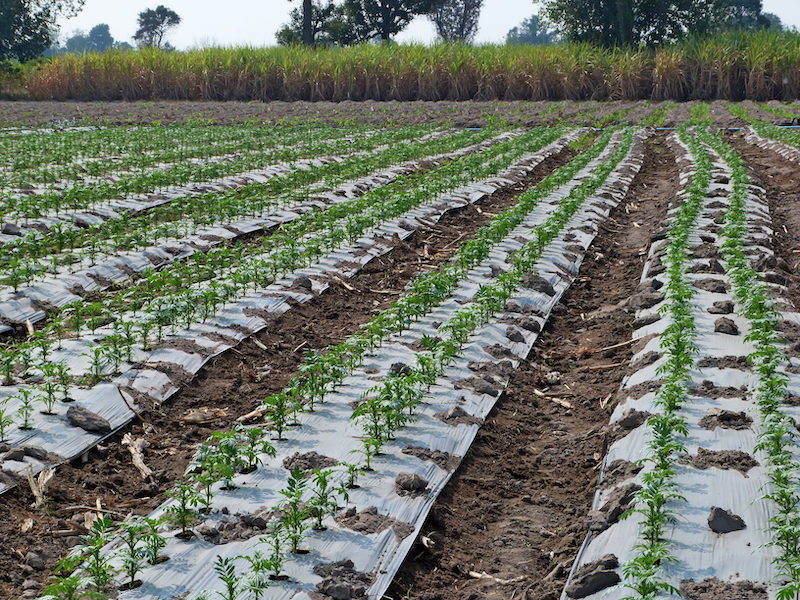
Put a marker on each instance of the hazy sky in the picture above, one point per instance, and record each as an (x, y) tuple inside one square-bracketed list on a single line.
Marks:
[(254, 22)]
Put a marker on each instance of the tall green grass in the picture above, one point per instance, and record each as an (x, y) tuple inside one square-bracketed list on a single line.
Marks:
[(735, 66)]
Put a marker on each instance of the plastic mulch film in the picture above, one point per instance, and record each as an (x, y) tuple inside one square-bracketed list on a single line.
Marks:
[(786, 151), (329, 430), (56, 290), (238, 321), (112, 207), (722, 383)]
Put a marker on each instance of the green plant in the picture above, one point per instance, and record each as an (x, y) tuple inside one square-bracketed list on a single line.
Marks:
[(90, 552), (97, 362), (257, 579), (353, 473), (6, 420), (180, 513), (25, 396), (49, 386), (69, 584), (252, 444), (133, 556), (323, 497), (293, 512), (201, 471), (279, 408), (152, 540), (226, 458), (64, 380), (225, 569), (276, 542)]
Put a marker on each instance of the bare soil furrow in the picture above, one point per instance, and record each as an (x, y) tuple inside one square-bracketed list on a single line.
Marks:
[(511, 520), (230, 385), (779, 178)]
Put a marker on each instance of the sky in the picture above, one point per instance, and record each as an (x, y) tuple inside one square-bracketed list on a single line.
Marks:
[(254, 22)]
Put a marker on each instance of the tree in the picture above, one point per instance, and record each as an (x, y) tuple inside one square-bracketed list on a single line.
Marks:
[(385, 18), (154, 24), (774, 21), (457, 20), (307, 22), (97, 40), (530, 31), (613, 22), (742, 14), (28, 27), (329, 26)]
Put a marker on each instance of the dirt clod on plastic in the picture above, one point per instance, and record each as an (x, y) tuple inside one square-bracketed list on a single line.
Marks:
[(341, 581), (723, 459), (370, 521), (714, 589)]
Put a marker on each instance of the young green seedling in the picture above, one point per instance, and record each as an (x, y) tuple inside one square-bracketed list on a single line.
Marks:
[(90, 551), (323, 499), (133, 556), (180, 513), (294, 512), (153, 541), (25, 411)]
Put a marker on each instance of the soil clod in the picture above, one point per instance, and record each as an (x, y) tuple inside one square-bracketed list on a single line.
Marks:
[(594, 576), (341, 581), (410, 484), (727, 419), (308, 461), (370, 521), (78, 416), (724, 521), (715, 286), (714, 589), (723, 459), (443, 460), (726, 326), (616, 503)]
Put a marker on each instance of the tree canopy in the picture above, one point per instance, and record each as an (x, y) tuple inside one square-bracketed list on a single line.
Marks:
[(648, 22), (329, 26), (353, 21), (530, 31), (28, 27), (457, 20), (385, 18), (154, 24), (98, 39)]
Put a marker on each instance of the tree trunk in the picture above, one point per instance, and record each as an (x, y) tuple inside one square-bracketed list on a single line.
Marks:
[(308, 35), (625, 22)]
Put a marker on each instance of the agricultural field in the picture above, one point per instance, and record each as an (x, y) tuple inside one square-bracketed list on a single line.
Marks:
[(421, 350)]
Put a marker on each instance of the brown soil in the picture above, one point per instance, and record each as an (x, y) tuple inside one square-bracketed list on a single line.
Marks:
[(230, 385), (778, 177), (714, 589), (460, 114), (723, 459), (369, 521), (515, 507)]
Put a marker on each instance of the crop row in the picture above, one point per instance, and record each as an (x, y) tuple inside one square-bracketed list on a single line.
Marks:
[(777, 430), (325, 371), (676, 539), (115, 346), (94, 195), (393, 400), (41, 157), (68, 248)]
